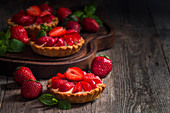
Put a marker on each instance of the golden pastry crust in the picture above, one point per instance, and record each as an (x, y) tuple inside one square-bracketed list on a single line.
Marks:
[(33, 29), (77, 97), (56, 51)]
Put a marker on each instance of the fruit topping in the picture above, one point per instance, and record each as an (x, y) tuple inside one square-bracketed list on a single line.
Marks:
[(23, 74), (77, 88), (101, 66), (60, 42), (19, 33), (42, 40), (86, 86), (75, 78), (74, 74), (33, 11), (57, 31)]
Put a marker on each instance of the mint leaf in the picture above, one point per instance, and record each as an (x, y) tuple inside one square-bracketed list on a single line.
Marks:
[(41, 33), (3, 49), (90, 9), (97, 20), (70, 18), (64, 104), (2, 36), (45, 28), (48, 99), (7, 35), (16, 46), (78, 13)]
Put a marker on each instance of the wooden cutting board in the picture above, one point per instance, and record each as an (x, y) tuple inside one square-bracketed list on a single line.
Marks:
[(46, 67)]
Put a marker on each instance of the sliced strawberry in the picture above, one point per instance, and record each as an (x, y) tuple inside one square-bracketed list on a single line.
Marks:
[(85, 73), (46, 18), (68, 39), (86, 86), (92, 83), (60, 42), (57, 31), (62, 85), (45, 13), (51, 42), (42, 40), (38, 21), (33, 11), (70, 31), (74, 74), (77, 88), (91, 76), (61, 75), (54, 78)]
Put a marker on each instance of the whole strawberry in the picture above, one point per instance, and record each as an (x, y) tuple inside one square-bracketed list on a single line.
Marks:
[(19, 33), (63, 12), (101, 66), (46, 7), (23, 74), (31, 89), (90, 25), (73, 25)]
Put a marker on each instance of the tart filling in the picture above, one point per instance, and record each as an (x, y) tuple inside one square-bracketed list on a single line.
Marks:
[(75, 86)]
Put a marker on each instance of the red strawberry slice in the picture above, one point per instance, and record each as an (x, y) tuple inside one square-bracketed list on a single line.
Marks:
[(62, 76), (51, 42), (38, 21), (70, 31), (47, 18), (57, 31), (68, 39), (91, 76), (92, 83), (55, 78), (86, 86), (42, 40), (77, 88), (60, 42), (45, 13), (33, 11), (74, 74), (62, 85)]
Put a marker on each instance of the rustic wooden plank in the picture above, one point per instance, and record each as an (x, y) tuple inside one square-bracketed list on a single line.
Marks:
[(3, 80), (161, 21)]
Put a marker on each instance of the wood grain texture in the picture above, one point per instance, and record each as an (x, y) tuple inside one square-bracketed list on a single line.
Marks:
[(139, 81)]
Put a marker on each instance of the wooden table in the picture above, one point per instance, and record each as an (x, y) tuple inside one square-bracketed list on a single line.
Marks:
[(140, 79)]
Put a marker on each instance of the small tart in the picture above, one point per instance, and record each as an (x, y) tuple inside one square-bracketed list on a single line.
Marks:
[(56, 51), (81, 97), (34, 28)]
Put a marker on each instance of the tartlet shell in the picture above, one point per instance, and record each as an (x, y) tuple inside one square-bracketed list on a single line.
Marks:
[(33, 29), (56, 51), (77, 97)]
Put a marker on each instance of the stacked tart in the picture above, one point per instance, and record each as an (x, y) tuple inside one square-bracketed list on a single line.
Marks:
[(33, 17), (76, 86), (57, 42)]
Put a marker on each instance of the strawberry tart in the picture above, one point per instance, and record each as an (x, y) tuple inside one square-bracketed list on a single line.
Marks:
[(57, 42), (76, 86), (33, 17)]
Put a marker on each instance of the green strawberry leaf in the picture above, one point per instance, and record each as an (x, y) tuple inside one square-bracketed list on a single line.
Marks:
[(41, 33), (70, 18), (64, 104), (90, 9), (105, 56), (3, 49), (97, 19), (16, 46), (78, 13), (48, 99)]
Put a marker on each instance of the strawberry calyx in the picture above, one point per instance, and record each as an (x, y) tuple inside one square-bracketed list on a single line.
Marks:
[(105, 56)]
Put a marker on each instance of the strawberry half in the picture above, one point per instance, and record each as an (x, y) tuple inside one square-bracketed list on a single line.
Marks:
[(33, 11), (57, 31), (74, 74), (86, 86), (77, 88), (61, 75)]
